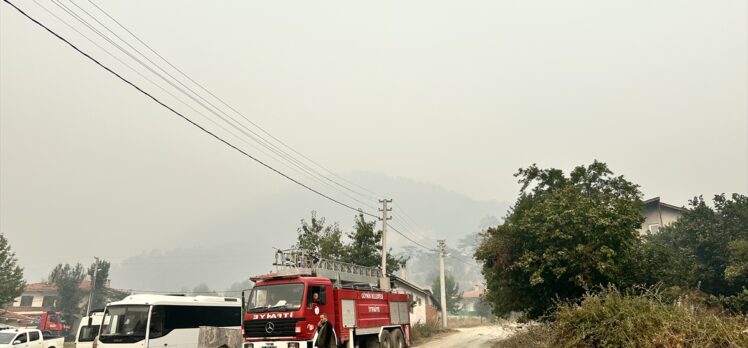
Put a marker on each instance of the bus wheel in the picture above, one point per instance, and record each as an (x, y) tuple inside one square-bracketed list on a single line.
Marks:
[(398, 341)]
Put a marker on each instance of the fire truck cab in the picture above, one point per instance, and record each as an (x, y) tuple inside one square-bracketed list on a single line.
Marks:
[(284, 308)]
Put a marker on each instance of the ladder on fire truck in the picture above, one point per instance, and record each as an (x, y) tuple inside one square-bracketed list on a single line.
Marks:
[(303, 262)]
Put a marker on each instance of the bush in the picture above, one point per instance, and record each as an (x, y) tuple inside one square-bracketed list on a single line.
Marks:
[(611, 319), (421, 331)]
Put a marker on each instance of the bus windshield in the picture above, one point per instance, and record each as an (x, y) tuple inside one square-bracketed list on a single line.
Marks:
[(280, 297), (124, 324)]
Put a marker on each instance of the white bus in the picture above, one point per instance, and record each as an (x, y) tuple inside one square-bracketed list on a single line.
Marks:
[(88, 329), (160, 321)]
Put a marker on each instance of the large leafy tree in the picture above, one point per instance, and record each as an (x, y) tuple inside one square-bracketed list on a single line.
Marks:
[(102, 294), (98, 299), (706, 248), (365, 247), (451, 290), (11, 275), (325, 241), (67, 280), (564, 234)]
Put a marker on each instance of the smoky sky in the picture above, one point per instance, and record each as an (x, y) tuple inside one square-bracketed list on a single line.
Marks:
[(451, 93)]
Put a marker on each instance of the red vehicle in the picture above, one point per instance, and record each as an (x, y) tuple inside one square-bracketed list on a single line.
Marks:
[(47, 321), (283, 308)]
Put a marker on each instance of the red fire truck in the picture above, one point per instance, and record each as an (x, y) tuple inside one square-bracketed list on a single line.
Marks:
[(283, 308), (47, 321)]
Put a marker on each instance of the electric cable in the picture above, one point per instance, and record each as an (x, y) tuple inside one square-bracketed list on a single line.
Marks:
[(189, 120)]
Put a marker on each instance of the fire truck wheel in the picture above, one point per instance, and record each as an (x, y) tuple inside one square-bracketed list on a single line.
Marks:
[(397, 339), (385, 341)]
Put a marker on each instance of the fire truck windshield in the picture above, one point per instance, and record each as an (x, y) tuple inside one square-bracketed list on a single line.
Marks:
[(279, 297)]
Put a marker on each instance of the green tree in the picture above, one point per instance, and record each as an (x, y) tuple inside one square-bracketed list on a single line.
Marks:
[(707, 247), (67, 280), (102, 293), (325, 241), (737, 264), (99, 299), (564, 234), (365, 247), (11, 275), (451, 290)]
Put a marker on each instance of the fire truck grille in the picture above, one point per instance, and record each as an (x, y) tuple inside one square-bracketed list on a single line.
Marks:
[(270, 327)]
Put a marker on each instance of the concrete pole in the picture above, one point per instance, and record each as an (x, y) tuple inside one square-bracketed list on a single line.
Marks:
[(93, 286), (442, 285), (384, 283)]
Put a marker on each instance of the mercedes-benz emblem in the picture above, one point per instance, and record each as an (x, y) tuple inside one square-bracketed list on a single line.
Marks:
[(269, 327)]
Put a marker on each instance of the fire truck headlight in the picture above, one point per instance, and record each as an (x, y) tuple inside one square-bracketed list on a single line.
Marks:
[(298, 330), (293, 344)]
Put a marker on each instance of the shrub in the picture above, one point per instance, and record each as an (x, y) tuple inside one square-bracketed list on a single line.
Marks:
[(421, 331), (612, 319)]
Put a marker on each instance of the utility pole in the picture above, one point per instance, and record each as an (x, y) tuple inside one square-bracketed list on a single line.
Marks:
[(93, 286), (442, 286), (384, 283)]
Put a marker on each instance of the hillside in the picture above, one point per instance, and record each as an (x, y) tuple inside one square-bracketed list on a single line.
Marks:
[(241, 243)]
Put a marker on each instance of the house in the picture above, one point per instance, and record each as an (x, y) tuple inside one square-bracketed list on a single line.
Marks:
[(471, 298), (423, 305), (40, 297), (658, 214)]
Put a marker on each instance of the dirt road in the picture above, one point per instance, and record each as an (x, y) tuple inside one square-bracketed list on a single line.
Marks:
[(478, 337)]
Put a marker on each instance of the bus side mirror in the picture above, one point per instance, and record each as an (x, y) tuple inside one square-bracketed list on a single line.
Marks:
[(89, 321)]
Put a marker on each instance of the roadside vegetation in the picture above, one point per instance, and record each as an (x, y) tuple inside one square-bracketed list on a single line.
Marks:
[(421, 332), (610, 318), (568, 234)]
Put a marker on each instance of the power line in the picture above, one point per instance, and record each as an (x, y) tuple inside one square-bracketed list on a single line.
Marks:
[(284, 154), (147, 78), (408, 238), (227, 143), (424, 240), (302, 169)]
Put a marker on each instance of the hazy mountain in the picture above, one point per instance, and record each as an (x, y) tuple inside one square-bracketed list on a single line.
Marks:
[(230, 249)]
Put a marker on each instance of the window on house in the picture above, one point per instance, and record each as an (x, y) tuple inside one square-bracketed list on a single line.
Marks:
[(49, 301), (27, 301), (654, 228)]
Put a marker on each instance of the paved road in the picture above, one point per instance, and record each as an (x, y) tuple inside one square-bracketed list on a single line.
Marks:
[(478, 337)]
